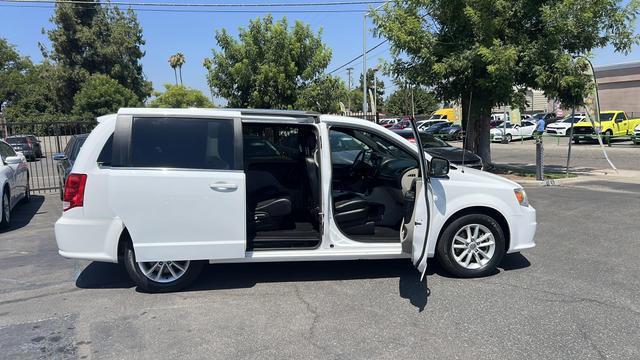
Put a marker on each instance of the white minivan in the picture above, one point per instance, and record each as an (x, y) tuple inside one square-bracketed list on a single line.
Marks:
[(164, 191)]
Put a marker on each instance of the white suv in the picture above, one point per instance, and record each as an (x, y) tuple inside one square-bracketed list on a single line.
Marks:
[(164, 191)]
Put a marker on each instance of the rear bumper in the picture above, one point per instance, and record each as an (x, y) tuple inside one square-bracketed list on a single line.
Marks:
[(88, 239), (523, 231)]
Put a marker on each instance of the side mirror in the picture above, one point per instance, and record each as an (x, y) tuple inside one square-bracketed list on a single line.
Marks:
[(59, 156), (13, 160), (438, 167)]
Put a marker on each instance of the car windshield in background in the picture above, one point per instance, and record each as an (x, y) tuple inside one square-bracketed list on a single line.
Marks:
[(79, 141), (435, 117), (17, 140), (606, 116), (570, 119), (342, 142), (428, 140)]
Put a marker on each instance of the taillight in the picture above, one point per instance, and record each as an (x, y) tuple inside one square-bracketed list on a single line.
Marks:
[(74, 191), (29, 142), (411, 140)]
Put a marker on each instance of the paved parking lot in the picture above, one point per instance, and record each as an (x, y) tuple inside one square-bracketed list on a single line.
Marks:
[(574, 296)]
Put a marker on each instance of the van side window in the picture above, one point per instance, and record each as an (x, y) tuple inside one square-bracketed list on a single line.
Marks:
[(182, 143), (104, 158)]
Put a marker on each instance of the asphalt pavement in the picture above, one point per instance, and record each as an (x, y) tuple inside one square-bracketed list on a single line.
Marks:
[(574, 296)]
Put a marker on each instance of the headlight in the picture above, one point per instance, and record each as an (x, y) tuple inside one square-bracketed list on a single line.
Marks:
[(521, 197)]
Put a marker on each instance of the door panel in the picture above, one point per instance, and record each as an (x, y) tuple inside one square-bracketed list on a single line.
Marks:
[(421, 218), (177, 185), (181, 214)]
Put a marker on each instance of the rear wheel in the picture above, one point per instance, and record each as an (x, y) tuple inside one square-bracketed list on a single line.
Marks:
[(576, 140), (508, 137), (161, 276), (6, 209), (471, 246)]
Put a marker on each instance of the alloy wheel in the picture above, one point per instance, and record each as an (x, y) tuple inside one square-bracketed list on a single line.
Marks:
[(164, 271), (473, 246)]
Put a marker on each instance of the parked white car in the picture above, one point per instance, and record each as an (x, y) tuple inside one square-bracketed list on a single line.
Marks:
[(264, 186), (14, 178), (511, 131), (561, 128), (636, 135)]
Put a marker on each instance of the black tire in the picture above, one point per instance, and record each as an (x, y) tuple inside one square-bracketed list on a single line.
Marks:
[(576, 140), (5, 215), (145, 284), (444, 251), (508, 137), (27, 192), (607, 136)]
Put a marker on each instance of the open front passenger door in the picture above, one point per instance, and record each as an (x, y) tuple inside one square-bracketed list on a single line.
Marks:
[(417, 228)]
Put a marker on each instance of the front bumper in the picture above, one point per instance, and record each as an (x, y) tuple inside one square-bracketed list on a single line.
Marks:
[(523, 230)]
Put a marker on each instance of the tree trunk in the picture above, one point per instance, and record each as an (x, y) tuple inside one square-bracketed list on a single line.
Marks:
[(180, 69), (477, 127), (175, 73)]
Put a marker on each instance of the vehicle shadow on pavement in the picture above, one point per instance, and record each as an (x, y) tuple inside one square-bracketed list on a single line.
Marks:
[(23, 213), (101, 275)]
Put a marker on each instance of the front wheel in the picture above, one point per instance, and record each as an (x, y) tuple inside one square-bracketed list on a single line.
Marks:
[(471, 246), (160, 276), (508, 137)]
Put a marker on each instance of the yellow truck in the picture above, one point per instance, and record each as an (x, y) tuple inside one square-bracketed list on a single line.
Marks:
[(612, 124), (450, 114)]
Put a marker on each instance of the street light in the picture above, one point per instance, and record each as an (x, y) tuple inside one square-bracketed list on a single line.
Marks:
[(364, 57)]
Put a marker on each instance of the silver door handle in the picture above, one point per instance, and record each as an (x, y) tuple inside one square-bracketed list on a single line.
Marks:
[(223, 186)]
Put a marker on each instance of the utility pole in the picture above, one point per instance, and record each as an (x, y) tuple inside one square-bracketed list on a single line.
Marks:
[(364, 57), (349, 70)]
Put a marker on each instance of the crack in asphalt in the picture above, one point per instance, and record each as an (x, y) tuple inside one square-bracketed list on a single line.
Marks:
[(13, 301), (314, 322)]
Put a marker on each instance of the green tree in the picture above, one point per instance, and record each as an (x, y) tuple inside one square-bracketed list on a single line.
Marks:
[(37, 95), (486, 52), (176, 61), (178, 96), (101, 95), (268, 65), (97, 39), (323, 95), (399, 102), (13, 68)]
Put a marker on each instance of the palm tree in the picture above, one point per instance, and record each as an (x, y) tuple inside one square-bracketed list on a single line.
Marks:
[(173, 62), (180, 60)]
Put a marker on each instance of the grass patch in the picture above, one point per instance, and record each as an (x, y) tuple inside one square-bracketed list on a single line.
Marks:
[(527, 172)]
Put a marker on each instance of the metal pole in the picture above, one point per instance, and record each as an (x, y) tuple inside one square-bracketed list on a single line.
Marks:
[(413, 107), (349, 70), (364, 66), (573, 120), (375, 92)]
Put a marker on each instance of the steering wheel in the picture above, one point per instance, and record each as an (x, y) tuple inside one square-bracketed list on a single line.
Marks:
[(357, 162)]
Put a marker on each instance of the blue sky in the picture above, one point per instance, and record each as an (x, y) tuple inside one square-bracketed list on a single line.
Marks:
[(193, 35)]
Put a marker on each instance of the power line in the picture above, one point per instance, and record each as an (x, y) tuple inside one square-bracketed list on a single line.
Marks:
[(357, 57), (206, 11), (170, 4)]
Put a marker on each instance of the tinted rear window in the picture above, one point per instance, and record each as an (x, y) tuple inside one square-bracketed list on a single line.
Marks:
[(17, 140), (182, 143), (106, 153)]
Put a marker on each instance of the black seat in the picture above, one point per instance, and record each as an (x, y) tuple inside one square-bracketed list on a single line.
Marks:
[(350, 210), (269, 205)]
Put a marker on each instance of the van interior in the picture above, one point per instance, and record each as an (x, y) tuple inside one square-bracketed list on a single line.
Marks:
[(372, 185), (283, 186)]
